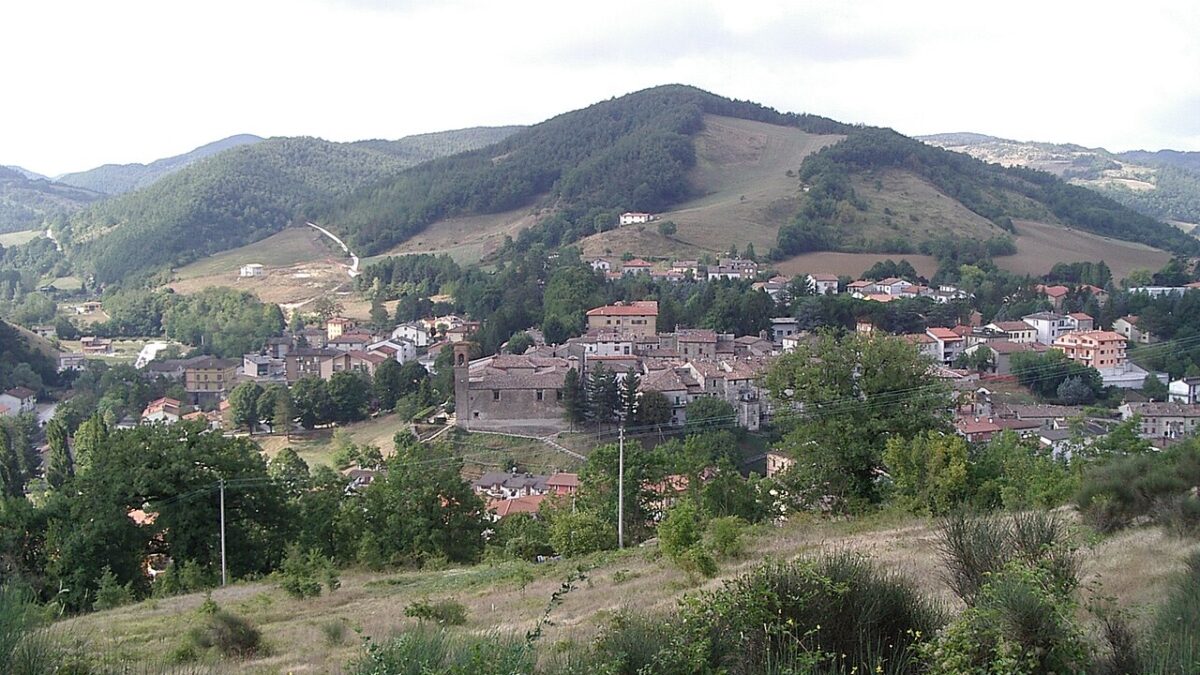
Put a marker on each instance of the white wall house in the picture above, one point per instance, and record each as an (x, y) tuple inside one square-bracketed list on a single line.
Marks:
[(634, 218), (415, 333), (823, 284), (1049, 326), (252, 270), (1185, 390)]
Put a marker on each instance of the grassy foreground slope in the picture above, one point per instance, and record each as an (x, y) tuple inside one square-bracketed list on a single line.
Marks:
[(508, 597)]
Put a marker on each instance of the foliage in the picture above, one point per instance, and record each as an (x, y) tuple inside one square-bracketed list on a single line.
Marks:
[(644, 470), (679, 536), (1172, 644), (929, 472), (429, 649), (522, 536), (420, 508), (302, 573), (221, 321), (442, 612), (837, 611), (21, 364), (1047, 373), (26, 646), (1013, 473), (856, 391), (110, 593), (1020, 622), (577, 533), (1121, 490), (708, 414)]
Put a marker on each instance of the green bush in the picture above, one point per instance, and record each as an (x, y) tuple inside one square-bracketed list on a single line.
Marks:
[(110, 593), (442, 612), (1021, 622), (302, 574), (185, 577), (26, 647), (629, 644), (1123, 491), (837, 613), (724, 536), (231, 635), (334, 631), (1179, 515)]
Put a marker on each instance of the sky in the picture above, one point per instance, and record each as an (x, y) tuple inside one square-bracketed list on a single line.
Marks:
[(119, 81)]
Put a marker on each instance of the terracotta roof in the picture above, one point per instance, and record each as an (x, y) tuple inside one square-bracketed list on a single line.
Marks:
[(562, 479), (1080, 315), (975, 426), (824, 277), (639, 308), (918, 338), (21, 392), (1054, 291), (943, 334), (1164, 409), (1010, 347), (507, 507), (636, 262)]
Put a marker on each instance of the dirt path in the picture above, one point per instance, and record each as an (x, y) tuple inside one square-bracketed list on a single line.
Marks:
[(353, 270)]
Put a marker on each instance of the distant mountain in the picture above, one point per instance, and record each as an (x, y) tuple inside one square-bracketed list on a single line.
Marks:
[(424, 147), (115, 179), (26, 203), (32, 175), (235, 197), (868, 190), (1163, 184)]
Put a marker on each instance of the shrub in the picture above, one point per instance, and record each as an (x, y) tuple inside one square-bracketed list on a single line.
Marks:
[(1021, 622), (302, 574), (442, 612), (334, 631), (1179, 515), (580, 533), (724, 536), (231, 635), (629, 644), (110, 593), (185, 577), (974, 547), (26, 648), (426, 650), (837, 611)]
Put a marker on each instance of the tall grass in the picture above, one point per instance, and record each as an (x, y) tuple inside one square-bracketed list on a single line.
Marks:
[(1173, 643), (26, 647), (975, 547), (428, 649)]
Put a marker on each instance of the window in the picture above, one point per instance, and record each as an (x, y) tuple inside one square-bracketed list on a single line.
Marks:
[(495, 394), (558, 394), (540, 395)]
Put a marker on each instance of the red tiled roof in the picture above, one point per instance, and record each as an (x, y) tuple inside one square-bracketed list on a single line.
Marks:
[(1080, 315), (506, 507), (943, 334), (563, 479)]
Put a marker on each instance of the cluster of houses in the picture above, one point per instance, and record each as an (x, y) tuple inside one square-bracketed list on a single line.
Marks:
[(516, 492), (678, 270), (509, 392)]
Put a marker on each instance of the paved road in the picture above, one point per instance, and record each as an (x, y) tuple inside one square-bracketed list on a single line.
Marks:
[(353, 271)]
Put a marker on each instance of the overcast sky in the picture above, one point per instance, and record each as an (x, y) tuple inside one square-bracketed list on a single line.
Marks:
[(89, 82)]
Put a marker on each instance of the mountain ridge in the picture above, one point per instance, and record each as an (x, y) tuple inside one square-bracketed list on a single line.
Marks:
[(114, 179)]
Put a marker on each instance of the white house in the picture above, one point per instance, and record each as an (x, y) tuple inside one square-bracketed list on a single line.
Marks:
[(602, 265), (399, 349), (1186, 390), (783, 327), (18, 400), (164, 410), (635, 266), (415, 333), (1049, 326), (252, 270), (635, 218), (950, 344), (823, 284)]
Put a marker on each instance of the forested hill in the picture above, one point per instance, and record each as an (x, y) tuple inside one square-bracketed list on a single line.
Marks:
[(424, 147), (635, 153), (628, 153), (115, 179), (1176, 158), (26, 202), (997, 193), (233, 198)]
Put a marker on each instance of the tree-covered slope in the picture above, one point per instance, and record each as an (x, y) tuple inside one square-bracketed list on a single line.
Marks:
[(998, 193), (25, 203), (233, 198), (115, 179), (424, 147), (628, 153)]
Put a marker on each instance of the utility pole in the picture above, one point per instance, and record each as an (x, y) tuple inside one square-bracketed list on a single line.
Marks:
[(224, 576), (621, 488)]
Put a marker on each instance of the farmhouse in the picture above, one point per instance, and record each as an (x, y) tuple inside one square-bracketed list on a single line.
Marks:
[(163, 411), (19, 400), (1185, 390), (252, 270), (823, 284), (634, 218)]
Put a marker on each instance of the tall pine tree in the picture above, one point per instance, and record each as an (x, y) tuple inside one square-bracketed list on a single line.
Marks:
[(629, 395), (12, 479), (574, 398), (60, 467)]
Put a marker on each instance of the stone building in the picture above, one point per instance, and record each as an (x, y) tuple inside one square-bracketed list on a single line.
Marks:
[(509, 392)]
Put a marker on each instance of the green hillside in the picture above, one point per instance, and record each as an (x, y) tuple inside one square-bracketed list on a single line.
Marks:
[(424, 147), (874, 191), (235, 197), (830, 217), (628, 153), (115, 179), (25, 203)]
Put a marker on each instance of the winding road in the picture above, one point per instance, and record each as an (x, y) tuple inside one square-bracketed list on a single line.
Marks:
[(353, 270)]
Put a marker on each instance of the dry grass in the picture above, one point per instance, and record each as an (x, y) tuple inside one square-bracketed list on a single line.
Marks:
[(18, 238), (468, 239), (1041, 245), (851, 264), (1133, 567)]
